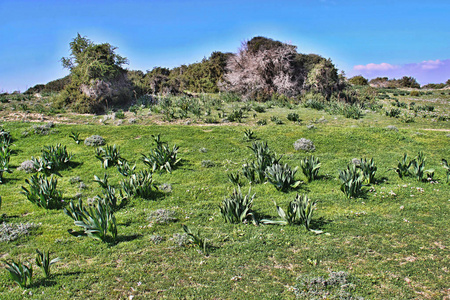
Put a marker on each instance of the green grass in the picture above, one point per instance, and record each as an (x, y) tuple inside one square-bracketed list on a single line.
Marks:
[(393, 242)]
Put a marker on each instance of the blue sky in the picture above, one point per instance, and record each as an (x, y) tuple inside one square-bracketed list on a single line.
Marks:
[(371, 38)]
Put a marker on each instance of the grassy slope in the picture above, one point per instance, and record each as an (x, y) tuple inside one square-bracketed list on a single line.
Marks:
[(394, 247)]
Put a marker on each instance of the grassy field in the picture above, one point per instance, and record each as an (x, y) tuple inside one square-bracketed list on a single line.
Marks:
[(392, 242)]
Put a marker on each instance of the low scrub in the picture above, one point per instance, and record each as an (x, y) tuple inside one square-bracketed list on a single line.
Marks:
[(282, 177), (162, 157), (310, 167), (237, 208), (352, 180), (43, 192), (96, 221)]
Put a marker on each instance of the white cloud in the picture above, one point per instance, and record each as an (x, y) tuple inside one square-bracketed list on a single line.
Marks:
[(431, 64), (375, 67)]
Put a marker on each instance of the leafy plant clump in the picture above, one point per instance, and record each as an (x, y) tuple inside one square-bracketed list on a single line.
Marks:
[(43, 261), (43, 192), (352, 180), (310, 167), (5, 155), (108, 196), (403, 166), (162, 157), (447, 169), (299, 212), (237, 208), (109, 156), (255, 171), (282, 177), (20, 272), (369, 169), (418, 168), (196, 239), (75, 135), (96, 221), (139, 184)]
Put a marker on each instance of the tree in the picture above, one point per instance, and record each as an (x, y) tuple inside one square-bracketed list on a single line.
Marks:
[(358, 80), (89, 61), (323, 78), (97, 77), (263, 67)]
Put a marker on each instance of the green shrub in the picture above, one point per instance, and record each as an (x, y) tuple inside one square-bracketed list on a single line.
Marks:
[(196, 239), (351, 181), (5, 155), (314, 104), (109, 156), (237, 208), (369, 169), (298, 212), (447, 169), (393, 113), (276, 120), (139, 184), (75, 135), (294, 117), (249, 135), (403, 167), (282, 177), (119, 114), (57, 156), (234, 178), (310, 167), (108, 196), (352, 112), (259, 109), (236, 115), (96, 221), (414, 94), (255, 171), (162, 157), (43, 261), (20, 273), (261, 122), (418, 168), (43, 192)]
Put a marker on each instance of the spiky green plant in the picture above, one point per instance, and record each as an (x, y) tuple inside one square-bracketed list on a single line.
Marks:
[(403, 166), (282, 177), (255, 171), (124, 168), (352, 180), (237, 207), (20, 273), (43, 261), (57, 157), (96, 221), (310, 167), (75, 135), (249, 135), (162, 157), (108, 193), (196, 239), (298, 212), (447, 169), (418, 168), (43, 192), (139, 184), (369, 169), (109, 156), (234, 178), (5, 155)]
